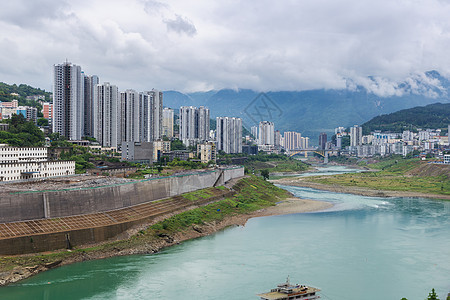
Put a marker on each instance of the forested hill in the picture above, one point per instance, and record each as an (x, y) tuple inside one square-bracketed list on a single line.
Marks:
[(22, 89), (431, 116)]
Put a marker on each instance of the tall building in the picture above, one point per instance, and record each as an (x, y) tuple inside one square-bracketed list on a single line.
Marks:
[(151, 115), (266, 133), (106, 115), (355, 136), (194, 124), (304, 142), (203, 123), (323, 140), (292, 140), (168, 122), (229, 134), (130, 116), (254, 132), (90, 83), (68, 101)]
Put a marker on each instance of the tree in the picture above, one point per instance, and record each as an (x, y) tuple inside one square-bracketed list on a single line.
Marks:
[(177, 145), (432, 295), (42, 122), (265, 174)]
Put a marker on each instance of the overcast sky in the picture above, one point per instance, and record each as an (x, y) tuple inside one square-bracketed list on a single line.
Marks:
[(203, 44)]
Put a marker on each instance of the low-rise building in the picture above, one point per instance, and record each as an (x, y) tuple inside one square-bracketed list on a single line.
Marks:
[(25, 163), (207, 152), (160, 147), (141, 152)]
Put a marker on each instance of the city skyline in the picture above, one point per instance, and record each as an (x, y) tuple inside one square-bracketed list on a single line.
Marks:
[(183, 40)]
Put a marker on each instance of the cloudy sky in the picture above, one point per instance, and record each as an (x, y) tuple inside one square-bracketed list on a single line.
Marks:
[(202, 45)]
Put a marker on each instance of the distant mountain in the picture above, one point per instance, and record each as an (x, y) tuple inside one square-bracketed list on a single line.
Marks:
[(313, 111), (431, 116)]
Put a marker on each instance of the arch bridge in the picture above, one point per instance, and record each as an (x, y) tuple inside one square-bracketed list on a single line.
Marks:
[(323, 153)]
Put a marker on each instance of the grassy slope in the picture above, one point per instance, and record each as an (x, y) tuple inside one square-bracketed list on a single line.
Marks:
[(253, 193), (394, 176)]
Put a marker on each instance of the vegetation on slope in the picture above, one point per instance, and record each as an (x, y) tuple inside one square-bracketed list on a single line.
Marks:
[(394, 175), (253, 193), (22, 133), (431, 116), (22, 89), (272, 162)]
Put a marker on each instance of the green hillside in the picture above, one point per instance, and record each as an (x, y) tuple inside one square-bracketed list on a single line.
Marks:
[(23, 90), (431, 116)]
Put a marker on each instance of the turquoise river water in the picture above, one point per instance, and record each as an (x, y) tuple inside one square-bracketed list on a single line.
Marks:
[(363, 248)]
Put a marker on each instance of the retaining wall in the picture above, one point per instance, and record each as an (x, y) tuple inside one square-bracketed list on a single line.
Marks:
[(53, 204)]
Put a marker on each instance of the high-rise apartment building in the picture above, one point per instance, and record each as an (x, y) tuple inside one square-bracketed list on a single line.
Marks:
[(130, 116), (194, 124), (292, 140), (151, 115), (323, 140), (266, 133), (106, 115), (90, 83), (304, 142), (68, 101), (203, 123), (168, 116), (254, 132), (229, 134), (355, 136)]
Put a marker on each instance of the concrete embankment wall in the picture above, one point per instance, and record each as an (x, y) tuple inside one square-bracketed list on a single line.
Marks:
[(53, 204), (73, 236)]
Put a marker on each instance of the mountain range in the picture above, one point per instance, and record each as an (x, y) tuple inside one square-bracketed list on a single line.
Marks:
[(434, 116), (314, 111)]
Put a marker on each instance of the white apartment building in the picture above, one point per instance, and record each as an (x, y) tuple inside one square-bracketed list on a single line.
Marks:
[(229, 134), (151, 115), (19, 163), (292, 140), (194, 124), (130, 115), (106, 122), (266, 133), (90, 84), (68, 101), (355, 136)]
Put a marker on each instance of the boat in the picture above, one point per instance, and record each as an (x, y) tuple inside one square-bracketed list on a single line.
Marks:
[(288, 291)]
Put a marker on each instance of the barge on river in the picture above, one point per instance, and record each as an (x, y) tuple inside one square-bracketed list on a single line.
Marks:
[(287, 291)]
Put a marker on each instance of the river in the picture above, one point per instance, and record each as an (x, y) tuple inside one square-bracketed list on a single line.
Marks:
[(362, 248)]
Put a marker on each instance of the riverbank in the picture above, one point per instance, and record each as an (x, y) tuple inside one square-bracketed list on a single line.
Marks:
[(303, 182), (151, 238)]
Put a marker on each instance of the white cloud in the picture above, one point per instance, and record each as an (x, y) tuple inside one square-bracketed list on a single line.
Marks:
[(263, 45)]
